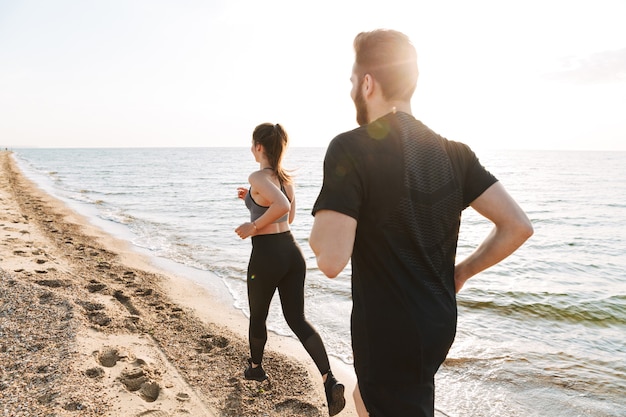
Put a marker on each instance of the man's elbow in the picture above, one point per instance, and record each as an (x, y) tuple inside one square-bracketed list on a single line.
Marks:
[(529, 230), (328, 267), (524, 230)]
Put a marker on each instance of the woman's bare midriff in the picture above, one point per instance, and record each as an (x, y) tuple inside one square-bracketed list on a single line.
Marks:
[(273, 228)]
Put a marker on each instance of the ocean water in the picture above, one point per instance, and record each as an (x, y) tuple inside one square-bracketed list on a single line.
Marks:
[(541, 334)]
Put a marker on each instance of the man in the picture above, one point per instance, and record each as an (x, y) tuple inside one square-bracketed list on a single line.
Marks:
[(391, 200)]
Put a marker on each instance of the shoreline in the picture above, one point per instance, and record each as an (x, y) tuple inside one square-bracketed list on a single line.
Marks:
[(122, 337)]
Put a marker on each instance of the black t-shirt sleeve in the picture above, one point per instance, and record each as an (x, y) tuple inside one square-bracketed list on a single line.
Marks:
[(474, 178), (342, 186)]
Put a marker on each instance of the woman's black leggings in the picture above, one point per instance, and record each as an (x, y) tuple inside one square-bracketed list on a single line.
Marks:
[(277, 262)]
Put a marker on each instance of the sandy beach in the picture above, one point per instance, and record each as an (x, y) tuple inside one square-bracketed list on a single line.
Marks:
[(88, 327)]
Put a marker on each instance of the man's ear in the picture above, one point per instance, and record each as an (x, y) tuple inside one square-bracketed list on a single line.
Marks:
[(367, 86)]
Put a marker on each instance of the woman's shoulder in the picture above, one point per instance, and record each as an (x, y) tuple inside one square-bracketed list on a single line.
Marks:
[(260, 175)]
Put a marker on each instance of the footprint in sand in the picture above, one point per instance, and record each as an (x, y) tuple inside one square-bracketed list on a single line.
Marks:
[(150, 391), (298, 407), (103, 265), (95, 286), (52, 283), (133, 379), (208, 342), (137, 378), (73, 406), (94, 313), (96, 372), (143, 291), (109, 357), (126, 302), (182, 396)]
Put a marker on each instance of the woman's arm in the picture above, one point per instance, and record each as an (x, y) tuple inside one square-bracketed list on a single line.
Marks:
[(291, 193), (267, 194)]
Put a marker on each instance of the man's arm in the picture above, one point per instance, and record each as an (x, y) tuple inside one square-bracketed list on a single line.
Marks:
[(511, 229), (332, 240)]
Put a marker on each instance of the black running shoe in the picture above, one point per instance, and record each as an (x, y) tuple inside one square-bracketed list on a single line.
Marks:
[(334, 394), (256, 374)]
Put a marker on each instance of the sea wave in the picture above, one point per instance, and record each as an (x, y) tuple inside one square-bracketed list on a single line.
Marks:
[(603, 311)]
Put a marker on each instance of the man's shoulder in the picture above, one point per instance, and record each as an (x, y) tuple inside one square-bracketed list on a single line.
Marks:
[(456, 149), (350, 136), (452, 147), (350, 141)]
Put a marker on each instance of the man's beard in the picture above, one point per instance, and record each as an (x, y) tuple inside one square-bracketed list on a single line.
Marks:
[(362, 118)]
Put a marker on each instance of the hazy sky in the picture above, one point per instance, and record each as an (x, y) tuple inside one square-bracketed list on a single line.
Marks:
[(535, 74)]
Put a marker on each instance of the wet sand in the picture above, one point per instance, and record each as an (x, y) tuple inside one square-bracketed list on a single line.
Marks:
[(89, 327)]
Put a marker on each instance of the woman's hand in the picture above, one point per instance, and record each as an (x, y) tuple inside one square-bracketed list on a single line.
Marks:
[(246, 230), (242, 192)]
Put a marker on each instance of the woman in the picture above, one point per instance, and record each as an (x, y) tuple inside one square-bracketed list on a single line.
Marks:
[(276, 260)]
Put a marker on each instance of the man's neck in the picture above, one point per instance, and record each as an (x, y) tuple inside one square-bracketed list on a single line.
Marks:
[(383, 108)]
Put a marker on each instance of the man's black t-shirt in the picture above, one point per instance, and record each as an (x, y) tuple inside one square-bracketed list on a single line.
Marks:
[(406, 186)]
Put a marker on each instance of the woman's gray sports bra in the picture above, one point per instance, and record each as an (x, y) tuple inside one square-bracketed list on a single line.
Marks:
[(257, 210)]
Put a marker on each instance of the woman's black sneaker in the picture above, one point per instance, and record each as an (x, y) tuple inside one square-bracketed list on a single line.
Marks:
[(334, 394), (256, 374)]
